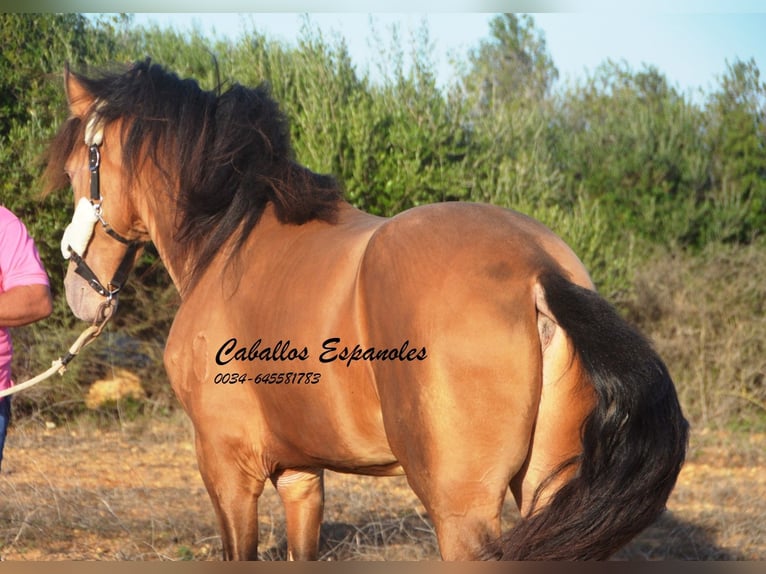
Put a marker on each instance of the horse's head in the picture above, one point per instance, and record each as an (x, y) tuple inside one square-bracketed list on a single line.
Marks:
[(103, 240), (146, 151)]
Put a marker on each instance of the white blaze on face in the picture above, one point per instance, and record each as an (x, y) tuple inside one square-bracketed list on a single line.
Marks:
[(78, 233)]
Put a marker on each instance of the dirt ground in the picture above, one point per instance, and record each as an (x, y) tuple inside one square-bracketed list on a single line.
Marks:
[(134, 493)]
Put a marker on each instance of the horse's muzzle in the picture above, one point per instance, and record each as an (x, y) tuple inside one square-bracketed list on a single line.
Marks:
[(83, 300)]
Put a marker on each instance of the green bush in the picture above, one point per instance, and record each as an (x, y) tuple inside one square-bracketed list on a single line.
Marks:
[(620, 165)]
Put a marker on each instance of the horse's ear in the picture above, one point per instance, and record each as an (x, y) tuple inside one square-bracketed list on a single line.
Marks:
[(78, 97)]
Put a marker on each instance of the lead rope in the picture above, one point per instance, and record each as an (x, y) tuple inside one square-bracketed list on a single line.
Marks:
[(105, 312)]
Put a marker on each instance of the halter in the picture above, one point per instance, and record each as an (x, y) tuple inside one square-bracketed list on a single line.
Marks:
[(87, 214)]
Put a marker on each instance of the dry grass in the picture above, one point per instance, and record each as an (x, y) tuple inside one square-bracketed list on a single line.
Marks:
[(134, 493), (707, 317)]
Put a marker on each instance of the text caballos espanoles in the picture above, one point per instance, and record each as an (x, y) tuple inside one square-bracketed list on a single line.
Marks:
[(332, 350)]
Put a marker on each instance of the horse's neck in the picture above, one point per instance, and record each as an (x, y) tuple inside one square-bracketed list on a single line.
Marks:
[(161, 226), (178, 262)]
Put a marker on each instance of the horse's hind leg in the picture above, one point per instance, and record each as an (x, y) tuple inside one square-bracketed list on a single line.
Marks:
[(468, 434), (465, 512), (302, 493), (566, 400)]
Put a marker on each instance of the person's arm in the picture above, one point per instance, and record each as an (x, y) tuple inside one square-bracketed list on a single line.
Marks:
[(25, 294), (25, 304)]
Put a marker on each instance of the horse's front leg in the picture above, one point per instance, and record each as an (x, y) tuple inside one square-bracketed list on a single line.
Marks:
[(234, 494), (302, 493)]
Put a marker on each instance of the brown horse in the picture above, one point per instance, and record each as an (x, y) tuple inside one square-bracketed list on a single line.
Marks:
[(460, 344)]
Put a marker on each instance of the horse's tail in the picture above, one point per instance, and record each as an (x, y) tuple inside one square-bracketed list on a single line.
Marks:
[(633, 441)]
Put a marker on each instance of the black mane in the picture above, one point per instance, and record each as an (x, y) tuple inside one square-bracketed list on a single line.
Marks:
[(224, 154)]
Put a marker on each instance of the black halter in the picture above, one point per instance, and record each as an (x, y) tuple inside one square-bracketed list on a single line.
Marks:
[(114, 286)]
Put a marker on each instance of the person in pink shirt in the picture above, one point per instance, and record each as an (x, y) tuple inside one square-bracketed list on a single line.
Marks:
[(25, 297)]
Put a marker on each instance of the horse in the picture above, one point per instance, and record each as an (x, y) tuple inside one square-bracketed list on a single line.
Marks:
[(460, 344)]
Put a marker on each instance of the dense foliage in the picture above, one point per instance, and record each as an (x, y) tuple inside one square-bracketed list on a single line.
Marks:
[(620, 164)]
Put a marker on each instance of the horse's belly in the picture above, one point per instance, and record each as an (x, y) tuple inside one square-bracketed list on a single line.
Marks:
[(394, 469), (335, 423)]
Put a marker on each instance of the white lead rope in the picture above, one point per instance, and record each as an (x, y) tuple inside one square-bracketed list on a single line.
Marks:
[(59, 365)]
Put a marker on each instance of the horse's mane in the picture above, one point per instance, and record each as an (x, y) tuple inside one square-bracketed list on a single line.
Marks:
[(226, 154)]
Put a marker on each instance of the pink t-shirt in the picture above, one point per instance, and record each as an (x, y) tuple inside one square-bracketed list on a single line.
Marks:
[(19, 265)]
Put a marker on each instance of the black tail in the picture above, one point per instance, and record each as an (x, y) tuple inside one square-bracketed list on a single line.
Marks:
[(634, 441)]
